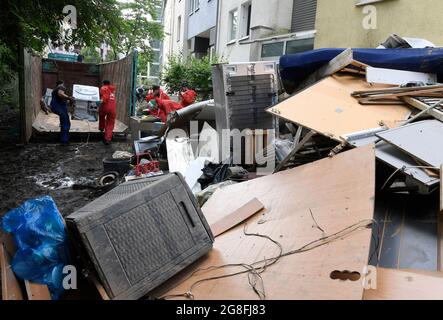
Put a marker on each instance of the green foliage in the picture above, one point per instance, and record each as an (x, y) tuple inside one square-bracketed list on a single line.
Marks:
[(91, 55), (191, 73), (136, 27), (144, 58), (34, 23)]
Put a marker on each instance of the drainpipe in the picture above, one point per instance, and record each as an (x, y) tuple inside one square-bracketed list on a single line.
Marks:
[(217, 28)]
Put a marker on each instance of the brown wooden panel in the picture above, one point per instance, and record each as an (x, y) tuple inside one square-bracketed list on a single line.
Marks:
[(333, 194), (120, 74), (70, 72), (33, 91)]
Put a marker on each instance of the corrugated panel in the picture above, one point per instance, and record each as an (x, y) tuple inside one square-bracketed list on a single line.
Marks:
[(303, 15)]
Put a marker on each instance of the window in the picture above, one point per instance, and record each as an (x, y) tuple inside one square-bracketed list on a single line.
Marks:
[(303, 15), (233, 25), (275, 49), (179, 28), (194, 5), (154, 69), (301, 45), (272, 50), (246, 19)]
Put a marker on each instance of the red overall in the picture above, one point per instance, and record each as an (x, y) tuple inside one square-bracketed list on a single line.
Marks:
[(163, 96), (165, 107), (188, 97), (108, 110)]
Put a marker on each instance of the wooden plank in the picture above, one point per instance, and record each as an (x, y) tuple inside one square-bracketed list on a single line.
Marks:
[(338, 63), (328, 108), (294, 151), (35, 291), (332, 194), (10, 285), (397, 77), (437, 114), (395, 284), (235, 218)]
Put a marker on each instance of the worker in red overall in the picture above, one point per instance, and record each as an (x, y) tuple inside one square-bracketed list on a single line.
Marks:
[(156, 92), (166, 107), (107, 111)]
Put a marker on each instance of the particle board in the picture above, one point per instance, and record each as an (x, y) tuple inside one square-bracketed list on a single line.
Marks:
[(236, 217), (394, 284), (422, 140), (35, 291), (332, 193), (50, 123), (10, 285), (328, 108)]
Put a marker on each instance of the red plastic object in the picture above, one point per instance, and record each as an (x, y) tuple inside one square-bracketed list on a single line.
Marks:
[(152, 166)]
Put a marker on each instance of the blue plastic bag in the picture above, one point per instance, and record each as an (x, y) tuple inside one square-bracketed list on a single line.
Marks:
[(41, 239)]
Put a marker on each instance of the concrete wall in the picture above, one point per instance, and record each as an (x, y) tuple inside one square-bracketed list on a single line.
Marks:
[(171, 44), (270, 17), (340, 22), (203, 19)]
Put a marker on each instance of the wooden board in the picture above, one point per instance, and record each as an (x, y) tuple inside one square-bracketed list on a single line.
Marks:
[(10, 285), (397, 77), (328, 108), (236, 217), (50, 124), (37, 291), (421, 140), (337, 192), (394, 284)]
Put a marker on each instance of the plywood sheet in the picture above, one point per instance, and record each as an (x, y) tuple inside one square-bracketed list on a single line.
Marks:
[(328, 108), (333, 193), (422, 140), (236, 217), (394, 284), (50, 123)]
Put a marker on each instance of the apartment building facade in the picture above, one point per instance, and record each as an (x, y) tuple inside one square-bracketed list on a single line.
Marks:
[(239, 30), (367, 23), (257, 30)]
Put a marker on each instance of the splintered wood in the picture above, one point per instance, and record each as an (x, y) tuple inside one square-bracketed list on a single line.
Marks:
[(301, 205), (328, 108)]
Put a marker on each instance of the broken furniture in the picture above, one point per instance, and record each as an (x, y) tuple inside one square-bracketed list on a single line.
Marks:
[(422, 140), (148, 126), (296, 68), (329, 195), (140, 234), (86, 102), (244, 91)]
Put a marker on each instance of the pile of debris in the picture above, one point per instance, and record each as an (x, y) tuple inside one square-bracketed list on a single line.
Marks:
[(191, 222)]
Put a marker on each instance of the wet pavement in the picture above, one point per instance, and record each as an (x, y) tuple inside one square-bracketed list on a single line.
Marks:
[(50, 169)]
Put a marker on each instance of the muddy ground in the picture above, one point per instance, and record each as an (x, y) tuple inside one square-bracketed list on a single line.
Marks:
[(50, 169)]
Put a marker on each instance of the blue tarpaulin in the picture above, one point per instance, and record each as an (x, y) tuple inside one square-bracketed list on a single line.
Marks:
[(295, 68)]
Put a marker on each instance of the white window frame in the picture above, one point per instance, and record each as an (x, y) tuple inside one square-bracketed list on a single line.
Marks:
[(232, 38)]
